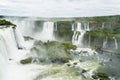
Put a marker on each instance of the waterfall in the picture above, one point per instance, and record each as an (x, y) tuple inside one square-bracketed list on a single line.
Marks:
[(47, 32), (9, 40), (8, 49), (19, 39), (105, 42), (3, 57), (86, 26), (103, 25), (55, 29), (25, 25), (89, 42), (79, 32), (115, 42), (73, 27)]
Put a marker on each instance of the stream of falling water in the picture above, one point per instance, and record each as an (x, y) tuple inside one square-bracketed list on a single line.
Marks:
[(115, 42), (105, 42), (47, 32), (79, 32)]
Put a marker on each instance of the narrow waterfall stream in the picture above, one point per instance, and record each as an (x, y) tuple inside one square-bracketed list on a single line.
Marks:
[(116, 44), (105, 42)]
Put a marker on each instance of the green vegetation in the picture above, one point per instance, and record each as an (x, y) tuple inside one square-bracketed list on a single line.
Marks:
[(26, 61), (99, 19), (4, 22), (57, 52), (100, 76), (53, 50), (64, 30), (102, 33), (68, 45)]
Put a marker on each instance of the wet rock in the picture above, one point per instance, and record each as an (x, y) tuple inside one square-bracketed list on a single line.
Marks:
[(26, 61), (28, 38), (84, 71), (68, 64), (110, 59), (10, 59), (75, 63), (100, 76), (84, 51), (80, 60), (94, 76)]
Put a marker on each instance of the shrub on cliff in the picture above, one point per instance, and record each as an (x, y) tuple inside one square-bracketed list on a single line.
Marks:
[(4, 22)]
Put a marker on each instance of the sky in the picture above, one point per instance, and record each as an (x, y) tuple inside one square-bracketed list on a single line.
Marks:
[(59, 8)]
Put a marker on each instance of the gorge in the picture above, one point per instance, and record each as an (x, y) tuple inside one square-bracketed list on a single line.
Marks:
[(59, 49)]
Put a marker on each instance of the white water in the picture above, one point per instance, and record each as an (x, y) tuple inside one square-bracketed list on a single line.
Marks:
[(16, 71), (47, 32), (25, 26), (19, 38), (3, 57), (115, 42), (86, 26), (9, 40), (73, 27), (89, 42), (105, 42), (78, 35), (103, 25), (55, 29), (10, 68)]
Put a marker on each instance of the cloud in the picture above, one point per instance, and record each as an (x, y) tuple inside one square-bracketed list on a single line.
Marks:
[(59, 8)]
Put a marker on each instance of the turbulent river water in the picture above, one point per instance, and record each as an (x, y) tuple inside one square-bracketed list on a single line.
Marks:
[(85, 61)]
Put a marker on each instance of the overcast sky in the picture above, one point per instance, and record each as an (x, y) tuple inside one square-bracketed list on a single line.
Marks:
[(59, 8)]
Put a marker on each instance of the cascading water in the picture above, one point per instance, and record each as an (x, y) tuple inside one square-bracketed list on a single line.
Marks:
[(103, 25), (87, 59), (3, 57), (24, 25), (89, 42), (55, 29), (73, 27), (10, 69), (86, 26), (11, 45), (105, 42), (115, 42), (79, 33), (47, 32), (19, 39)]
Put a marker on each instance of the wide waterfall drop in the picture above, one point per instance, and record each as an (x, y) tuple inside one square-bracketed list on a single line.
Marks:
[(10, 42), (25, 26), (115, 42), (79, 32), (3, 57), (47, 32)]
